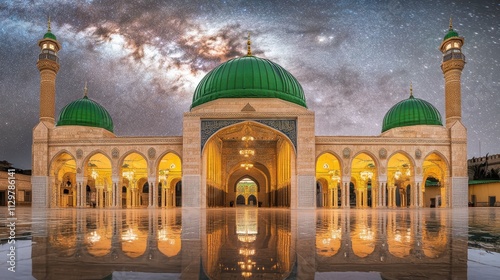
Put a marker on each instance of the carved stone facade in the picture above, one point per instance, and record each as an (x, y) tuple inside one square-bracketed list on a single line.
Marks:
[(268, 141)]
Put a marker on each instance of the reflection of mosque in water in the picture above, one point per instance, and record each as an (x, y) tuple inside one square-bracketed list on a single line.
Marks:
[(247, 242)]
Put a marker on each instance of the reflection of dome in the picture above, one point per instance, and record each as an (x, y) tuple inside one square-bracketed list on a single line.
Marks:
[(249, 77), (85, 112), (411, 111)]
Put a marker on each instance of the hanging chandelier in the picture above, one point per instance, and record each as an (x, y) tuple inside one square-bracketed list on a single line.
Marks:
[(246, 165), (365, 175), (247, 152)]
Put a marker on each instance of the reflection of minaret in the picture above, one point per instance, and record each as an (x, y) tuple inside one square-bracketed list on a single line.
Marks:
[(48, 65), (452, 66)]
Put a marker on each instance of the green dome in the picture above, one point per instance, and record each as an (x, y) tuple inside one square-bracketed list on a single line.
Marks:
[(85, 112), (451, 33), (50, 36), (412, 111), (249, 77)]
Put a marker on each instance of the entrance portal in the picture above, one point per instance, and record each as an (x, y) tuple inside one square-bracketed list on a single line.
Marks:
[(250, 160)]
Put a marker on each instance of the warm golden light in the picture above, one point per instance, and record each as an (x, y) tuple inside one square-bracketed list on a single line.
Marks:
[(365, 175), (94, 237), (246, 165), (129, 235), (247, 152)]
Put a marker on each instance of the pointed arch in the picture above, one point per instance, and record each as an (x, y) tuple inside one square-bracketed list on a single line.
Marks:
[(364, 168)]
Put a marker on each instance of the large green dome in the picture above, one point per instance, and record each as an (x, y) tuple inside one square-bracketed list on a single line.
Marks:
[(412, 111), (85, 112), (249, 77)]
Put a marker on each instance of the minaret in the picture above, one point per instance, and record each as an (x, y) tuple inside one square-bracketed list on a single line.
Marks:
[(48, 65), (452, 66)]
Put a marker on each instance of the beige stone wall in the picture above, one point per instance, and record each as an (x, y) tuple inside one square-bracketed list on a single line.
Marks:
[(23, 188)]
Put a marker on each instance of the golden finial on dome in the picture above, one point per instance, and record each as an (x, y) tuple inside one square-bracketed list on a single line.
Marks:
[(48, 23), (411, 89), (249, 48), (85, 90), (451, 24)]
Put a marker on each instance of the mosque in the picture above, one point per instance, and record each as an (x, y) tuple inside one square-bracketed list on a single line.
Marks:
[(249, 139)]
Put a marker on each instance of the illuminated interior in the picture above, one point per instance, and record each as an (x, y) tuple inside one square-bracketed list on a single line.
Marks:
[(363, 177), (63, 181), (134, 176), (99, 184), (169, 178), (434, 174), (244, 153), (400, 181), (328, 176)]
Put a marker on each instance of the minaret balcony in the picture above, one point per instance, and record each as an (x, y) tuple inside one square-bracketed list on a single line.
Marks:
[(453, 55), (48, 56)]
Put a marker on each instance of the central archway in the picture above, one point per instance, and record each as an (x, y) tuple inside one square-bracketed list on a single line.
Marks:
[(252, 151)]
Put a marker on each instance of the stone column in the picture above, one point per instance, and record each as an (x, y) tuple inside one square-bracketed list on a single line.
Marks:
[(419, 200), (335, 191), (345, 192), (116, 191), (152, 186), (80, 191), (129, 196), (384, 194)]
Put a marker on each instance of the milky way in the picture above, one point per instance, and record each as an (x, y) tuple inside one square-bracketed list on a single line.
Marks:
[(143, 59)]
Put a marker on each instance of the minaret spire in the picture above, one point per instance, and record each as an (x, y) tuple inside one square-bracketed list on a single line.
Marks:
[(411, 90), (85, 90), (451, 24), (48, 25), (249, 48)]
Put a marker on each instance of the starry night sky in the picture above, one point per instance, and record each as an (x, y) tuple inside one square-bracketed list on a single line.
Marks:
[(143, 59)]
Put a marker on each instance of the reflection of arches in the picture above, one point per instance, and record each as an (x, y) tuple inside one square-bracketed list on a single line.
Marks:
[(434, 237), (134, 242), (363, 235), (169, 241), (400, 238), (240, 200)]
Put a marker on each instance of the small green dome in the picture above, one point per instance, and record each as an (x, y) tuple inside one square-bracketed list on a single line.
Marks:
[(249, 77), (451, 33), (412, 111), (49, 35), (85, 112)]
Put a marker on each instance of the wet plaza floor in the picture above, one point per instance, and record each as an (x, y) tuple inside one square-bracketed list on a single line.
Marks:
[(252, 243)]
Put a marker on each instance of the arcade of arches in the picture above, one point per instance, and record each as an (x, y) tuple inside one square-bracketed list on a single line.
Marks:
[(256, 172), (398, 185), (125, 184)]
